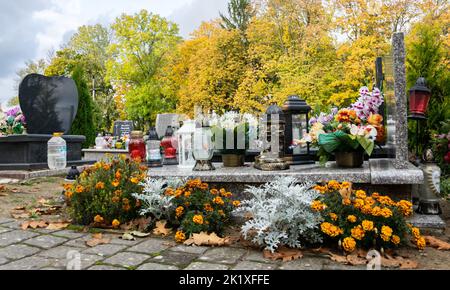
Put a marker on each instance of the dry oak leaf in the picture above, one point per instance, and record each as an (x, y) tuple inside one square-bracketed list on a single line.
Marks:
[(338, 258), (356, 260), (21, 215), (398, 262), (57, 225), (33, 224), (205, 239), (437, 243), (284, 254), (97, 239), (160, 229)]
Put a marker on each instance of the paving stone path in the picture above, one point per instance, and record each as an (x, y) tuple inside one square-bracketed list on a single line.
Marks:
[(52, 250)]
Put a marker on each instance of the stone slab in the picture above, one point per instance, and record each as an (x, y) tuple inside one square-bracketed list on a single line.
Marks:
[(17, 251), (206, 266), (14, 237), (45, 241), (223, 255), (150, 246), (127, 259), (383, 171), (28, 263), (26, 174), (155, 266), (105, 267), (249, 174), (254, 266), (174, 258), (189, 249), (427, 221), (104, 250)]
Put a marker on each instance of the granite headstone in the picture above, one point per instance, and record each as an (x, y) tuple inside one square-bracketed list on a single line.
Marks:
[(165, 120), (122, 128), (49, 104)]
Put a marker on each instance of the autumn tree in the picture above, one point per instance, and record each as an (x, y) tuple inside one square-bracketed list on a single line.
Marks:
[(87, 49), (139, 53)]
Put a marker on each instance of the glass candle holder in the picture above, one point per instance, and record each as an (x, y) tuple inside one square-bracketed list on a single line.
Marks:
[(154, 158), (203, 148), (136, 147)]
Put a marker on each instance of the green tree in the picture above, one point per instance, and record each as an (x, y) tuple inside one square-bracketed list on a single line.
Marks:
[(87, 49), (83, 123), (143, 43), (239, 15)]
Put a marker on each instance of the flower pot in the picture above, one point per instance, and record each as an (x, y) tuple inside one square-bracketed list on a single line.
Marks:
[(233, 160), (353, 159)]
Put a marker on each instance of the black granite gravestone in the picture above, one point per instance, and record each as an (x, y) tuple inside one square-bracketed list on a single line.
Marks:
[(122, 128), (49, 104)]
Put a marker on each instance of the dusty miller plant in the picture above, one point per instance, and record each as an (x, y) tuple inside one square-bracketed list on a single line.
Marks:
[(281, 214), (153, 200)]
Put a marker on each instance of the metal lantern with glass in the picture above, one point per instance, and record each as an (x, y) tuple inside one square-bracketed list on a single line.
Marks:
[(203, 146), (168, 143), (154, 158), (273, 128), (296, 112), (184, 137)]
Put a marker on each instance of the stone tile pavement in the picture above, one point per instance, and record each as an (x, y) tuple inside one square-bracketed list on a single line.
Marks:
[(55, 250)]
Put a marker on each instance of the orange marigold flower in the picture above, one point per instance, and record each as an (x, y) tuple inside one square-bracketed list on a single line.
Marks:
[(386, 213), (178, 192), (321, 189), (214, 191), (375, 119), (333, 216), (358, 232), (115, 223), (421, 243), (386, 233), (317, 205), (330, 229), (180, 237), (134, 180), (98, 219), (126, 207), (125, 200), (367, 225), (187, 194), (100, 185), (360, 194), (236, 203), (349, 244), (395, 240), (118, 175), (352, 218), (415, 232), (358, 203), (118, 192), (179, 211), (376, 211), (79, 189), (221, 212), (333, 184), (68, 186), (68, 194), (346, 201), (115, 199), (115, 183), (106, 167), (208, 207), (169, 191), (218, 200), (346, 184), (198, 219), (375, 195)]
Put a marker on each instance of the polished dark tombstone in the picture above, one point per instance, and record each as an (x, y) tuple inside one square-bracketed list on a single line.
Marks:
[(49, 105)]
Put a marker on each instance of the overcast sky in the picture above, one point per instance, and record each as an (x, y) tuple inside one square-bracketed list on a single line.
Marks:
[(30, 28)]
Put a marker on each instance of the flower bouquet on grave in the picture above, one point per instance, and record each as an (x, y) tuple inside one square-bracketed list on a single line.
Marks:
[(12, 122), (231, 133), (348, 133)]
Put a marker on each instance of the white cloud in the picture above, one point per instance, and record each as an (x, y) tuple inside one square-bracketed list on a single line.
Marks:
[(29, 29)]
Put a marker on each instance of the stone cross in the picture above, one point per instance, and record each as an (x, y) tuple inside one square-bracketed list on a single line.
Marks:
[(401, 112)]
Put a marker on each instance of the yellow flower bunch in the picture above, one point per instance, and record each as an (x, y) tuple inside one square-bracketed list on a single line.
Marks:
[(333, 216), (405, 207), (180, 236), (358, 232), (360, 194), (352, 218), (179, 211), (386, 233), (317, 205), (218, 200), (349, 244), (115, 223), (198, 219), (330, 229), (334, 185), (321, 189), (367, 225)]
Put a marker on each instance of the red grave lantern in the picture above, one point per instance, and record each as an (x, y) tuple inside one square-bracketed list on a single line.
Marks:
[(419, 97)]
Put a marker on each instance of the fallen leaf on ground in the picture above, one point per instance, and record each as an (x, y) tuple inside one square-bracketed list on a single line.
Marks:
[(284, 254), (437, 243), (14, 190), (19, 208), (205, 239), (3, 194), (22, 215), (57, 225), (97, 239), (128, 237), (33, 224), (160, 229), (2, 188), (139, 234), (338, 258), (398, 262), (139, 224), (356, 260)]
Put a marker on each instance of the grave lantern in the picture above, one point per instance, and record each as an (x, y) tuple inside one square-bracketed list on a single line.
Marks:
[(296, 112), (170, 148), (203, 146), (154, 158), (184, 137), (136, 147), (419, 97), (273, 128)]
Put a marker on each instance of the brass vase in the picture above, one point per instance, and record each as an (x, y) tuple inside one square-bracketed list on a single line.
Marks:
[(353, 159), (233, 160)]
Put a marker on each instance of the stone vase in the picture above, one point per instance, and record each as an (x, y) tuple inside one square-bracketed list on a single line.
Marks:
[(352, 159), (233, 160)]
